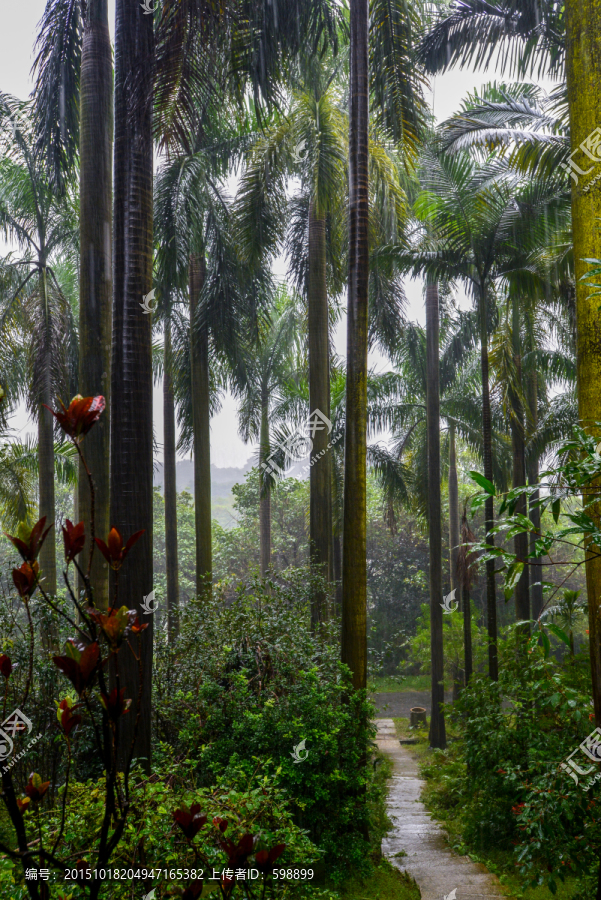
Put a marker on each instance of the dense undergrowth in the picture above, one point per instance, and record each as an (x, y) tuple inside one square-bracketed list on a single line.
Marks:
[(244, 685), (499, 787)]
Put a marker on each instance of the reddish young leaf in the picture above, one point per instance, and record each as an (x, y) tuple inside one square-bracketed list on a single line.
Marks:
[(25, 578), (114, 551), (74, 538), (80, 416), (265, 859), (6, 665), (115, 704), (30, 547), (79, 667), (23, 804), (36, 788), (189, 820)]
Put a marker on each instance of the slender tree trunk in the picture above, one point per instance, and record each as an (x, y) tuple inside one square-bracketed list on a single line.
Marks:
[(95, 278), (453, 509), (354, 546), (467, 634), (320, 504), (201, 415), (437, 723), (536, 571), (520, 542), (169, 468), (337, 569), (264, 488), (47, 509), (131, 364), (489, 510), (583, 74)]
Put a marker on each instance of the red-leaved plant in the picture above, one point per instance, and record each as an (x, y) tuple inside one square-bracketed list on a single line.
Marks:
[(99, 637)]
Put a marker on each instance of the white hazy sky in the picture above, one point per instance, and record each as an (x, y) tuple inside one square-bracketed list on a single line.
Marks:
[(17, 37)]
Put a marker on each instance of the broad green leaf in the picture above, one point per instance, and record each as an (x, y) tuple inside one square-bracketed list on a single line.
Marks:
[(483, 482), (559, 633), (514, 573), (555, 509)]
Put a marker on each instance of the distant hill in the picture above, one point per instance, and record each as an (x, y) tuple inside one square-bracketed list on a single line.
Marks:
[(222, 482)]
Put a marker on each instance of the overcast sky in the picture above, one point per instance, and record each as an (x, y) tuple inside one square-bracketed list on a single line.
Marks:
[(17, 37)]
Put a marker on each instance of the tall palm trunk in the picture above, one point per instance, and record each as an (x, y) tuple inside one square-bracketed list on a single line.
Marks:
[(131, 364), (466, 538), (46, 451), (264, 488), (201, 419), (95, 279), (437, 723), (354, 538), (169, 468), (320, 505), (520, 542), (536, 587), (583, 73), (453, 509), (489, 510)]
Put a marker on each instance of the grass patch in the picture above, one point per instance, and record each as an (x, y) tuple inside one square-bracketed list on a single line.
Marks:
[(386, 883), (390, 684)]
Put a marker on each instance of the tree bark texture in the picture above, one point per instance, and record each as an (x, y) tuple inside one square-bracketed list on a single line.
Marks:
[(536, 570), (95, 278), (489, 510), (437, 722), (583, 74), (169, 471), (453, 509), (47, 508), (520, 542), (201, 417), (320, 503), (354, 547), (131, 364), (264, 488)]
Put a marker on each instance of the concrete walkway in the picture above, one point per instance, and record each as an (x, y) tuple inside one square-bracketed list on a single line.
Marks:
[(437, 870)]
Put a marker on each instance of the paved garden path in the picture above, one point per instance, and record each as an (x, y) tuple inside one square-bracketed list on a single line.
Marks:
[(437, 870)]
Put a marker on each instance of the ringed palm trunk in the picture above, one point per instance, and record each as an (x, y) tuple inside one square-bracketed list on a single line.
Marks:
[(465, 597), (47, 509), (201, 423), (131, 365), (489, 510), (320, 504), (95, 279), (520, 542), (536, 587), (583, 73), (354, 537), (169, 465), (437, 723), (453, 509), (264, 488)]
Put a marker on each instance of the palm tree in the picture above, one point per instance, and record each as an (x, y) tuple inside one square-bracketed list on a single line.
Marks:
[(73, 108), (311, 143), (43, 224), (265, 369), (482, 216)]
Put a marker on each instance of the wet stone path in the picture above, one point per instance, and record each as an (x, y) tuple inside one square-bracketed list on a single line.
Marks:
[(438, 871)]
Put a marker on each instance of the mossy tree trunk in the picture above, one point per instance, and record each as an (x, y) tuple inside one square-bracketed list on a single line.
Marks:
[(170, 473), (95, 274)]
